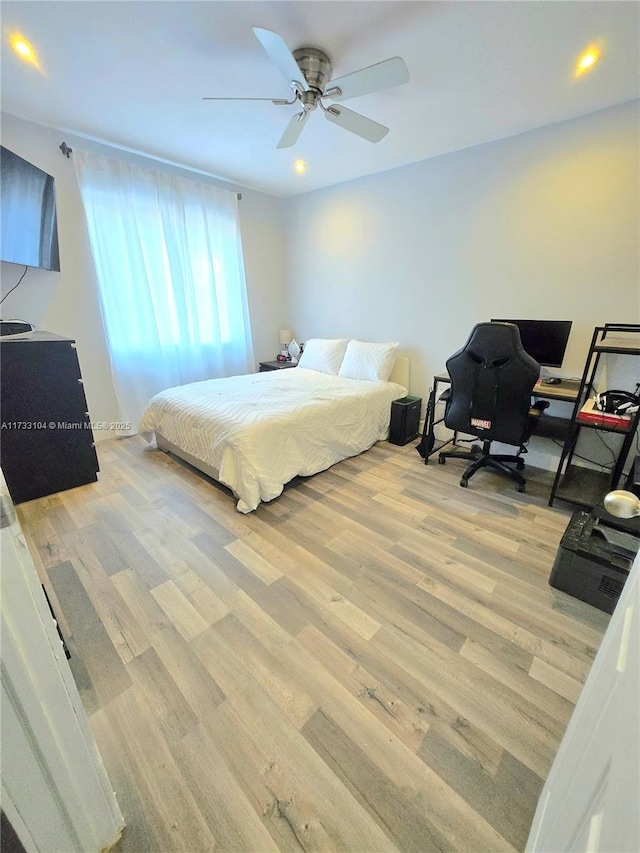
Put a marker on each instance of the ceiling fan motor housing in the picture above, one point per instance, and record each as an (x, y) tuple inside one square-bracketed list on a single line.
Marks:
[(316, 67)]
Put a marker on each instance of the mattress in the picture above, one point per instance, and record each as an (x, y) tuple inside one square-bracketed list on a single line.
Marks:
[(261, 430)]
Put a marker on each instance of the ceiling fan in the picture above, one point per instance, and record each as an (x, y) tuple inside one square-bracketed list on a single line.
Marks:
[(308, 73)]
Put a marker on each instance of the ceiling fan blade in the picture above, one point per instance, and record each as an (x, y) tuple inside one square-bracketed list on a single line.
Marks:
[(277, 101), (383, 75), (356, 123), (293, 130), (279, 53)]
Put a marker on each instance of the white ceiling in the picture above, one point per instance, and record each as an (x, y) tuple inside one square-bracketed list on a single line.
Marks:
[(133, 74)]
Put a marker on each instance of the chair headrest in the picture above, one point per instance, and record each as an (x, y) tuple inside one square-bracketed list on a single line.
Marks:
[(495, 344)]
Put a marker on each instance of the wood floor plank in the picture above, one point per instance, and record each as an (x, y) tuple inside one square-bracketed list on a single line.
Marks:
[(198, 593), (301, 790), (513, 723), (230, 641), (498, 667), (161, 695), (559, 682), (196, 685), (125, 632), (254, 562), (405, 821), (191, 516), (401, 718), (427, 709), (80, 510), (46, 544), (521, 636), (355, 547), (224, 805), (373, 662), (449, 813), (505, 799), (405, 606), (159, 809), (361, 622), (183, 615), (258, 622), (106, 670)]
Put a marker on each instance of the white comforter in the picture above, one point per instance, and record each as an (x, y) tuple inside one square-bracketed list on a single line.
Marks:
[(261, 430)]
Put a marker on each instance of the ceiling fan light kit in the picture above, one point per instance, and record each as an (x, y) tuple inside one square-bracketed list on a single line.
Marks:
[(308, 73)]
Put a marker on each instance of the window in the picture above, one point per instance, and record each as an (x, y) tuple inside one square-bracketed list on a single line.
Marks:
[(170, 271)]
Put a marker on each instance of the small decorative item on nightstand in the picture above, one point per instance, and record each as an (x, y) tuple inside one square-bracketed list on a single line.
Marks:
[(294, 351)]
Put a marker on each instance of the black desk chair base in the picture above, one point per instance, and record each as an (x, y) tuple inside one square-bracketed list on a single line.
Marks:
[(481, 458)]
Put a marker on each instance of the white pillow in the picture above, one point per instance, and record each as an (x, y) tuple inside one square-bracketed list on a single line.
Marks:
[(368, 361), (322, 355)]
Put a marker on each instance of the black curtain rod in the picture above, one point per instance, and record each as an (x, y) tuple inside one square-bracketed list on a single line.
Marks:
[(67, 152)]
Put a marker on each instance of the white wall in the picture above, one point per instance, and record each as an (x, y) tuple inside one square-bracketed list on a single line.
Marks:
[(544, 225), (541, 225), (67, 302)]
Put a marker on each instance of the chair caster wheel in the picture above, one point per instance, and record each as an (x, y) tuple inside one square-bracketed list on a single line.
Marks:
[(464, 483), (441, 460), (520, 488)]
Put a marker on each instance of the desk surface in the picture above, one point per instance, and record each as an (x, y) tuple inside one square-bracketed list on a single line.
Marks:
[(566, 391)]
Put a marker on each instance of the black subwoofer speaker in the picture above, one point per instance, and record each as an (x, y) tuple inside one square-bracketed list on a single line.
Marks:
[(405, 420)]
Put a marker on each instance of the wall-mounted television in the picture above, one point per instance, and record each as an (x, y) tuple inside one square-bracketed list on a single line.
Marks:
[(28, 224), (544, 340)]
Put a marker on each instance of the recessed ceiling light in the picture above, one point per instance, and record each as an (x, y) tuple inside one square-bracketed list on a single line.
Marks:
[(300, 166), (23, 48), (588, 59)]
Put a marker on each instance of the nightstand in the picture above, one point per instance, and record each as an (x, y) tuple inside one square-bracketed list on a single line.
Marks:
[(275, 365)]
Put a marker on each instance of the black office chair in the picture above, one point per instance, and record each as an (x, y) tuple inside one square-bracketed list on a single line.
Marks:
[(492, 378)]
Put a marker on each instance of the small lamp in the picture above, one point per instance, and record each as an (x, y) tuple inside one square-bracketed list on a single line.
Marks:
[(622, 504), (285, 339)]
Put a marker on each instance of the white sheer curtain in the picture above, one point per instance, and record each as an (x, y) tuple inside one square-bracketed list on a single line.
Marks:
[(168, 260)]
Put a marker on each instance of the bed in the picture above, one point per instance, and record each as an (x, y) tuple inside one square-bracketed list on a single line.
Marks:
[(257, 432)]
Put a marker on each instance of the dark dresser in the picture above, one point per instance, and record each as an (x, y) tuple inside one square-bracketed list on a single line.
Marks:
[(46, 442)]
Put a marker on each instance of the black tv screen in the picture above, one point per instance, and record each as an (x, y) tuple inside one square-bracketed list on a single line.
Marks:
[(544, 340), (28, 224)]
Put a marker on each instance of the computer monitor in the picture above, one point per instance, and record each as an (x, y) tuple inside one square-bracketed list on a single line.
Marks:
[(544, 340)]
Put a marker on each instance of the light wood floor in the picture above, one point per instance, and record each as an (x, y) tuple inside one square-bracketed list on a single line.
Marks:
[(373, 662)]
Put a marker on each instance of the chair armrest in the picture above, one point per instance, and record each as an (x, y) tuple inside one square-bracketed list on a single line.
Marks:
[(535, 412), (538, 408)]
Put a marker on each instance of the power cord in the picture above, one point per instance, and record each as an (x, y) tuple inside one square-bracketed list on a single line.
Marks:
[(609, 448), (586, 458), (15, 285)]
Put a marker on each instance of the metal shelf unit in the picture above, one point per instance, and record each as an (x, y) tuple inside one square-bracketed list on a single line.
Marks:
[(576, 484)]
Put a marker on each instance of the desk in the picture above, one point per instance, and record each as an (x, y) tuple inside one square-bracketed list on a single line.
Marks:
[(550, 426)]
